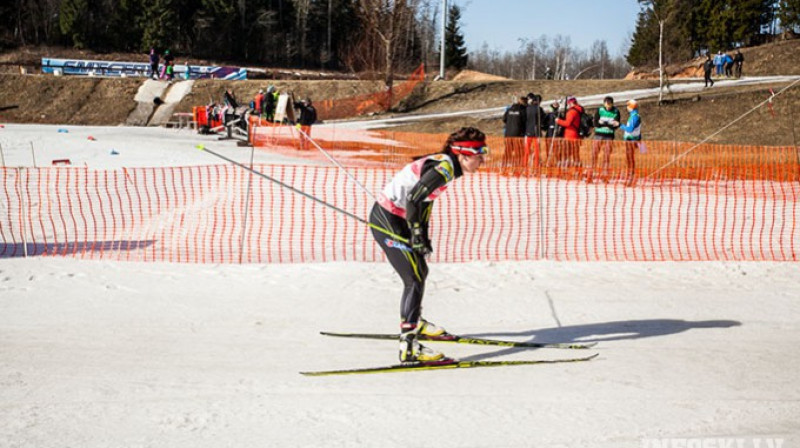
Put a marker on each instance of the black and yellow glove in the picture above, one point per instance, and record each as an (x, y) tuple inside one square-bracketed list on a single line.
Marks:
[(419, 240)]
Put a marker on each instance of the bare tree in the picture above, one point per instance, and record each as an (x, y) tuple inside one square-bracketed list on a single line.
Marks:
[(385, 20), (302, 8), (535, 56), (427, 18)]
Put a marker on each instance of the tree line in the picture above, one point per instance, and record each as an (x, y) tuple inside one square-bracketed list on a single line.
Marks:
[(548, 57), (694, 27), (364, 36), (357, 35)]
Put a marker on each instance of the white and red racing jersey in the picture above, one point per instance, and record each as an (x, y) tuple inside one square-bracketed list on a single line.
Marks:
[(395, 196)]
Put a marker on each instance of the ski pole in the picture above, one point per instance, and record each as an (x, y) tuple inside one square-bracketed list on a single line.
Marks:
[(335, 162), (306, 195)]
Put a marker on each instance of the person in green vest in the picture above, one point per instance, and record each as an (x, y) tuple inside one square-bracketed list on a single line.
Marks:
[(606, 121), (270, 102)]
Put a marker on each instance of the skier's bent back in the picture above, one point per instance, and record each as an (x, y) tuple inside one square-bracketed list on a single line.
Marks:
[(404, 209)]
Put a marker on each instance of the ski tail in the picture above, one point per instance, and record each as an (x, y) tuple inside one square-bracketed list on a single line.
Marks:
[(447, 363), (453, 338)]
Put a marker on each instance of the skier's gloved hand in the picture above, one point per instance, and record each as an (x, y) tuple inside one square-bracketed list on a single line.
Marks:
[(419, 241)]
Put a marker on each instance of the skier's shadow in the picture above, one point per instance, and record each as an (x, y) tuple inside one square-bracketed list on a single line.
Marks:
[(603, 332)]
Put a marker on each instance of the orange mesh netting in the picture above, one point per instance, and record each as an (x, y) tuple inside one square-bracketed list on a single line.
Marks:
[(371, 102), (716, 202)]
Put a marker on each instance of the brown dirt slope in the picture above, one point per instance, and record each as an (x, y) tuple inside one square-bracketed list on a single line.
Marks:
[(688, 118), (205, 90), (108, 101), (451, 96), (776, 58), (59, 100), (472, 75)]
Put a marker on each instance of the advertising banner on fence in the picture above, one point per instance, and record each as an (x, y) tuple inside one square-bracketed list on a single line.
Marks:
[(114, 68)]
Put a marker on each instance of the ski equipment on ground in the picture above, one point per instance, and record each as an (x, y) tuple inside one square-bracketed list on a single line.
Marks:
[(447, 337), (447, 363)]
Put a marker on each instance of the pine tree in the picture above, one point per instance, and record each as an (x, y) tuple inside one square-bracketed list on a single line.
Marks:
[(750, 18), (158, 22), (73, 22), (694, 26), (645, 40), (789, 14), (455, 51)]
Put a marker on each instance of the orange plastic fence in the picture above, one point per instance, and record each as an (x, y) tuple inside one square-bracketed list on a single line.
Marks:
[(371, 102), (582, 159), (707, 211)]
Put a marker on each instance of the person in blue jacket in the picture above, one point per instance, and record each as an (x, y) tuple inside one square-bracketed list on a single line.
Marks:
[(718, 61), (632, 137), (728, 65)]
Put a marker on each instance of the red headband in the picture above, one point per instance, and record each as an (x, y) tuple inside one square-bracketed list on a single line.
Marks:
[(470, 147)]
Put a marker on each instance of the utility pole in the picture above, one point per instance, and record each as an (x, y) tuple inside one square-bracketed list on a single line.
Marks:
[(444, 25), (328, 56), (660, 62)]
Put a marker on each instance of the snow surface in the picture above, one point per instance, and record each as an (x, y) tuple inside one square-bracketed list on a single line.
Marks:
[(136, 147), (104, 354), (100, 354)]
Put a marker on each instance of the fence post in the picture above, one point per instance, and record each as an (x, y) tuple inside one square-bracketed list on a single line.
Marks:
[(2, 157), (22, 213), (33, 155), (542, 220), (247, 204)]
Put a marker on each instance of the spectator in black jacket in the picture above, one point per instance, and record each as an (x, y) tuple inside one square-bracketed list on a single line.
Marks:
[(270, 102), (550, 122), (514, 119), (707, 67), (738, 61), (552, 131), (534, 118), (308, 116), (153, 63)]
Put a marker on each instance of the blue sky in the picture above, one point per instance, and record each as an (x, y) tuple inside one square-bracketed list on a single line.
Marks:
[(500, 23)]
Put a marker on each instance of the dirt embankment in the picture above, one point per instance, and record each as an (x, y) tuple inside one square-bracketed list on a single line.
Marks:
[(777, 58), (689, 117), (60, 100), (109, 101)]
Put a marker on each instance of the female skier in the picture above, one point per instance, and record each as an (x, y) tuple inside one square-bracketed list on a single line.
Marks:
[(403, 209)]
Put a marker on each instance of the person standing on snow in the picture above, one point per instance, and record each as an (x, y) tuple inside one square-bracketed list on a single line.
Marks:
[(403, 209), (571, 123), (534, 116), (607, 121), (708, 66), (728, 62), (633, 136), (514, 120), (270, 102), (258, 102), (308, 116), (738, 61), (153, 64)]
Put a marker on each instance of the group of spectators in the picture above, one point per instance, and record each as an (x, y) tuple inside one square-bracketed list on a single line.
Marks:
[(526, 121), (723, 64), (167, 72), (264, 105)]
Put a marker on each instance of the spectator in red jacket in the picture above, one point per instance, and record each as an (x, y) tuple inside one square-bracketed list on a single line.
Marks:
[(571, 123)]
